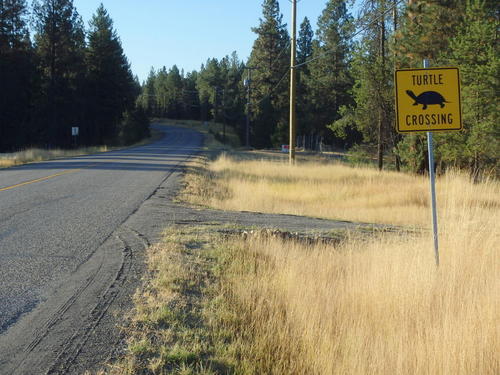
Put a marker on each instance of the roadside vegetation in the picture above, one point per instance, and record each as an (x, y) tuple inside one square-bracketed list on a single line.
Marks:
[(219, 302), (34, 155), (327, 189), (345, 81), (170, 329), (371, 306), (56, 78)]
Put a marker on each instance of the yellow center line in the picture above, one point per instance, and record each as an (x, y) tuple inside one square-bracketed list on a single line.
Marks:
[(45, 178)]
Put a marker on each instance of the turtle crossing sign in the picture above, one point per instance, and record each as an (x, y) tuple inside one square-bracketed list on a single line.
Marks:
[(428, 100)]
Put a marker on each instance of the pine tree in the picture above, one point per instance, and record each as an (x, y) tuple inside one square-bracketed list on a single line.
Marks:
[(16, 75), (209, 83), (59, 44), (233, 94), (190, 96), (304, 52), (147, 99), (329, 82), (304, 42), (475, 50), (174, 93), (270, 56), (110, 84), (373, 112), (426, 29), (161, 92)]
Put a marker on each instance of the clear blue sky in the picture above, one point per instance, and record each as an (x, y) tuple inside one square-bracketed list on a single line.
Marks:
[(187, 32)]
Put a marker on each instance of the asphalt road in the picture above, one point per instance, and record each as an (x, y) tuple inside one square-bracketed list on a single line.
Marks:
[(55, 218), (73, 235)]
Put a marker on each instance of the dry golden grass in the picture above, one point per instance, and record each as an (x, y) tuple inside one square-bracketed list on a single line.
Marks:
[(369, 305), (375, 306), (329, 190)]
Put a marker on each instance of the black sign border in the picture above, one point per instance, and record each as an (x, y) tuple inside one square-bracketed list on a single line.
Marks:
[(430, 130)]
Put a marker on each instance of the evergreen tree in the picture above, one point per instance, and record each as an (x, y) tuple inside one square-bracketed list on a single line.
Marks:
[(208, 84), (161, 92), (134, 127), (270, 56), (59, 43), (304, 42), (233, 95), (111, 88), (373, 112), (190, 96), (475, 50), (147, 99), (329, 82), (16, 75), (304, 52), (174, 92), (426, 30)]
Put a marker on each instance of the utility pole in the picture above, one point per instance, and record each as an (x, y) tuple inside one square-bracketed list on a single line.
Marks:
[(248, 83), (293, 128)]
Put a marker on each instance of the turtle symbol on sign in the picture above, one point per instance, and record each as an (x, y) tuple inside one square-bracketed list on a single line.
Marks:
[(427, 98)]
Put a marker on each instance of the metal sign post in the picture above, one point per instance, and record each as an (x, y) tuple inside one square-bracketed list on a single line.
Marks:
[(75, 130), (428, 100), (432, 176)]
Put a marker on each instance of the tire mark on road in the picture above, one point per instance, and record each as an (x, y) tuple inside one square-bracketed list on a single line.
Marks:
[(77, 342)]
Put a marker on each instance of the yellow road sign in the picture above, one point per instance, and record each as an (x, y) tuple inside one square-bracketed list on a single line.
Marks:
[(428, 100)]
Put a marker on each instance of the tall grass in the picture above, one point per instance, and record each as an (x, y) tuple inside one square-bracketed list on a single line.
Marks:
[(368, 305), (375, 306), (329, 190)]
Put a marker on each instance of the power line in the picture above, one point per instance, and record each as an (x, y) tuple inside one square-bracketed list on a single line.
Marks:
[(281, 53), (355, 34), (274, 88)]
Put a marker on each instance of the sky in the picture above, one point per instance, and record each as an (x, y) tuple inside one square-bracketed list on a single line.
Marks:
[(157, 33)]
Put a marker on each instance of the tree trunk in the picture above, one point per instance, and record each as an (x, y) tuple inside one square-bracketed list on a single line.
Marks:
[(380, 146), (381, 117)]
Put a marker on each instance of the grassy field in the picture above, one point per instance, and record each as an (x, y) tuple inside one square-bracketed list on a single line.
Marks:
[(376, 306), (368, 305), (264, 305), (333, 190)]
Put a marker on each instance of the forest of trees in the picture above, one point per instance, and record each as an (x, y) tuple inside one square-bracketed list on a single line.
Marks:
[(346, 80), (55, 74)]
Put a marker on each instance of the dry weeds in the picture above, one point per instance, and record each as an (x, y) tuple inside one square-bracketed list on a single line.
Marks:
[(371, 305), (331, 190), (377, 306)]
